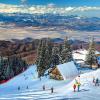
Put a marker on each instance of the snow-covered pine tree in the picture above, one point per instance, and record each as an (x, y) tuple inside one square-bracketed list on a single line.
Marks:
[(39, 49), (91, 57), (1, 67), (60, 48), (55, 56), (66, 54), (8, 72), (43, 60), (48, 53), (11, 66)]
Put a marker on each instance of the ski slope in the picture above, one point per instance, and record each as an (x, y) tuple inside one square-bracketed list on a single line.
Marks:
[(62, 89)]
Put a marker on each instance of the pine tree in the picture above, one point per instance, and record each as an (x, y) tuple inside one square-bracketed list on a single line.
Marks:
[(91, 57), (1, 68), (60, 48), (8, 72), (55, 56), (41, 59), (66, 54), (48, 54), (11, 66), (44, 52), (39, 49), (0, 65)]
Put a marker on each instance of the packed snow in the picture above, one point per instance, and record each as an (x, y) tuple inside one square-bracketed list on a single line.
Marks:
[(31, 87), (80, 55), (27, 85)]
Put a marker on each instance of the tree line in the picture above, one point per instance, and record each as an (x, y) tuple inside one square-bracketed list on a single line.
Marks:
[(11, 66)]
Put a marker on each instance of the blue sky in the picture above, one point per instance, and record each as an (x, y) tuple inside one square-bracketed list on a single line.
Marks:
[(56, 2)]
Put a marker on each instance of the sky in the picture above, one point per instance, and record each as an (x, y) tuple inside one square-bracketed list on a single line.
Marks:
[(56, 2), (69, 7)]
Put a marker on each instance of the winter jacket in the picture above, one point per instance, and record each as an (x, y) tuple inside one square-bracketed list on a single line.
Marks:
[(74, 86)]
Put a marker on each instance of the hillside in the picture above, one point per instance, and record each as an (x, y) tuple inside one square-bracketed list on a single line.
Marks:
[(27, 48)]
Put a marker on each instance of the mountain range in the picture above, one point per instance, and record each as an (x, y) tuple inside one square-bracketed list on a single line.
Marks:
[(53, 21)]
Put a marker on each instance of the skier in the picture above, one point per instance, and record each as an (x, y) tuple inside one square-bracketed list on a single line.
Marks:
[(52, 90), (97, 82), (27, 87), (74, 87), (18, 87), (40, 78), (93, 79), (76, 82), (43, 87), (78, 86)]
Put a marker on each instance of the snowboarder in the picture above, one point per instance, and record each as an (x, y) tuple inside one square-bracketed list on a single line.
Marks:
[(43, 87), (52, 90), (74, 87)]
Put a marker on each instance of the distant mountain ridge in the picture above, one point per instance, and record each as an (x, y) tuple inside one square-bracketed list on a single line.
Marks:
[(25, 40), (52, 20)]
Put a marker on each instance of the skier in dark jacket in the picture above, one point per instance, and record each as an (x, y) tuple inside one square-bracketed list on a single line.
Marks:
[(93, 79), (97, 82), (27, 87), (18, 87), (43, 87), (52, 90)]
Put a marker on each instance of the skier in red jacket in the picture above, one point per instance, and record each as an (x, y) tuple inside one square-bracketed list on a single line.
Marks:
[(74, 87)]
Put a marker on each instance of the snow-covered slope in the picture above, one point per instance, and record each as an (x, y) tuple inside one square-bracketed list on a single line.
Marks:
[(80, 55), (29, 74), (88, 89), (27, 79), (62, 89)]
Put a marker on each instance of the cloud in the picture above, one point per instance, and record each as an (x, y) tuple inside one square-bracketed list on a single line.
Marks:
[(50, 8), (51, 5), (23, 1)]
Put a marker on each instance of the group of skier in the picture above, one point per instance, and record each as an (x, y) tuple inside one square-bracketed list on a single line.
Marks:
[(19, 88), (52, 89), (76, 85)]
